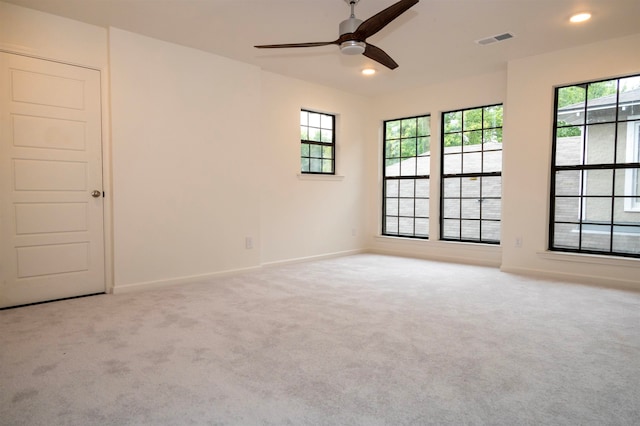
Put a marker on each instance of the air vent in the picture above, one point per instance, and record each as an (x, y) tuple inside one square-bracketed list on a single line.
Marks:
[(494, 39)]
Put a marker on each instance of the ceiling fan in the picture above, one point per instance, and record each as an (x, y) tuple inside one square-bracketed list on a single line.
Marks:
[(354, 32)]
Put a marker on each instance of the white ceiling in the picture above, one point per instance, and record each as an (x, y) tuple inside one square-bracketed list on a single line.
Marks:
[(433, 41)]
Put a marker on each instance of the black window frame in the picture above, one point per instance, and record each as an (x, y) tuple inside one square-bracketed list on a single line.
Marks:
[(469, 175), (406, 178), (317, 143), (616, 167)]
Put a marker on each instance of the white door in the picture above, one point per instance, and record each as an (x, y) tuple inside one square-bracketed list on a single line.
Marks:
[(51, 225)]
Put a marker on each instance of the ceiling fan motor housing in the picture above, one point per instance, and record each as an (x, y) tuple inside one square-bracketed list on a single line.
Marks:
[(351, 47)]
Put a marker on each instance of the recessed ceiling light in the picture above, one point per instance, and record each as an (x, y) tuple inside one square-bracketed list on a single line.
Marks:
[(368, 71), (580, 17)]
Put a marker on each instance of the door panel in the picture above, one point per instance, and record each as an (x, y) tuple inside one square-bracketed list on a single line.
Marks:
[(51, 227)]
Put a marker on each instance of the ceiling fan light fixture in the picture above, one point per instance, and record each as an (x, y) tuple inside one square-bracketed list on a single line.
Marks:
[(368, 71), (580, 17), (353, 47)]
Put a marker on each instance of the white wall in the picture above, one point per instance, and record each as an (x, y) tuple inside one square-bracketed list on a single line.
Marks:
[(528, 134), (186, 139), (430, 99), (312, 216), (42, 35)]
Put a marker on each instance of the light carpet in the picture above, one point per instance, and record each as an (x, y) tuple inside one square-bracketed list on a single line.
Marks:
[(357, 340)]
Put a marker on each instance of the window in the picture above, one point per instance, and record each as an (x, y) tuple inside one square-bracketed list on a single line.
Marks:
[(317, 137), (407, 153), (595, 169), (471, 185)]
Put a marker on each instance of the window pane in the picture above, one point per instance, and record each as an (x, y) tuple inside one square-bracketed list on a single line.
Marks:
[(470, 208), (391, 207), (304, 133), (304, 150), (392, 149), (424, 126), (326, 121), (392, 167), (315, 165), (490, 231), (566, 235), (327, 152), (597, 209), (568, 151), (451, 208), (472, 119), (392, 130), (571, 104), (491, 209), (629, 97), (424, 145), (304, 118), (408, 128), (327, 166), (568, 182), (422, 227), (391, 225), (472, 141), (423, 165), (493, 116), (627, 240), (596, 238), (491, 186), (316, 151), (405, 226), (598, 182), (314, 119), (451, 228), (492, 137), (407, 188), (600, 144), (326, 135), (600, 97), (408, 147), (392, 188), (406, 206), (452, 164), (304, 164), (471, 187), (408, 167), (472, 163), (452, 121), (452, 140), (452, 187), (628, 146), (567, 209), (622, 215), (492, 161), (422, 188), (470, 229), (422, 207)]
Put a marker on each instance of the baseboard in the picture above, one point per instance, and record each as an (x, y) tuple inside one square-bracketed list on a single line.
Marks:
[(315, 257), (606, 282), (438, 258), (148, 285)]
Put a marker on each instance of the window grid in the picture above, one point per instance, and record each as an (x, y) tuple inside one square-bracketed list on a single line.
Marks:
[(470, 208), (406, 153), (317, 138), (592, 173)]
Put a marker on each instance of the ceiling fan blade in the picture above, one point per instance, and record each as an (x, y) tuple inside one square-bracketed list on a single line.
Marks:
[(380, 56), (279, 46), (381, 19)]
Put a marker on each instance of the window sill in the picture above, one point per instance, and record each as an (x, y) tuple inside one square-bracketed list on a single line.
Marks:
[(304, 176), (589, 258)]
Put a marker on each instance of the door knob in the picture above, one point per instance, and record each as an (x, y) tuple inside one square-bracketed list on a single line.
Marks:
[(95, 193)]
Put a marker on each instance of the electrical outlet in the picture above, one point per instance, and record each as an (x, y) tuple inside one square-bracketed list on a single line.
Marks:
[(518, 242), (248, 243)]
